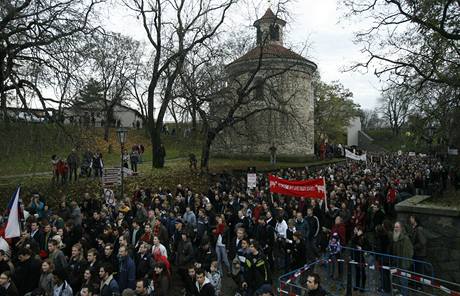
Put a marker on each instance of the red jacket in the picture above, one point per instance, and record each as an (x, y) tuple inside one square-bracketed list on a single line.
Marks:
[(220, 228), (341, 231), (391, 195)]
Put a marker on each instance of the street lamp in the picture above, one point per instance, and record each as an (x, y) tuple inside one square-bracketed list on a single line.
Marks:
[(431, 130), (121, 135)]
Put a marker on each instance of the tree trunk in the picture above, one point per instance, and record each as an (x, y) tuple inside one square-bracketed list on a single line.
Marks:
[(206, 151), (155, 138), (106, 127), (193, 115), (3, 105)]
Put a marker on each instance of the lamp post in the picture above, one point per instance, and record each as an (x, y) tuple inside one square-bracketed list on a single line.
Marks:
[(431, 130), (121, 134)]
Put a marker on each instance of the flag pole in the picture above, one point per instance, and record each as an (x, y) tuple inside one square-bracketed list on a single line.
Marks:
[(325, 194)]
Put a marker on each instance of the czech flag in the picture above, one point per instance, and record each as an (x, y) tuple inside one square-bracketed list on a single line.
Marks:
[(13, 228)]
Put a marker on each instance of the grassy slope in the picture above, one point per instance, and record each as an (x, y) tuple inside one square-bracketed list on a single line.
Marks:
[(27, 148)]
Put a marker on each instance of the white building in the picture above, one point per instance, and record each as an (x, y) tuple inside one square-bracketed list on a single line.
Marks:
[(93, 115)]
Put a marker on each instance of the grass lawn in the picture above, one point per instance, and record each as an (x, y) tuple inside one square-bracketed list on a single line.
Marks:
[(175, 172), (27, 148)]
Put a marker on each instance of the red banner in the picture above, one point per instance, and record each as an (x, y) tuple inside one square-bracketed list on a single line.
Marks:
[(312, 188)]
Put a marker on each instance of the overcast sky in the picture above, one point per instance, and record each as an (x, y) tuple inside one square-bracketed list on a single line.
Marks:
[(315, 22), (332, 47)]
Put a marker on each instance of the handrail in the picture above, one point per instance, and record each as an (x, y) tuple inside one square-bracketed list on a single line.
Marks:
[(430, 265)]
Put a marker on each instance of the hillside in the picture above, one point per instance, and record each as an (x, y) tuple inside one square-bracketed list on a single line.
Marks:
[(27, 148)]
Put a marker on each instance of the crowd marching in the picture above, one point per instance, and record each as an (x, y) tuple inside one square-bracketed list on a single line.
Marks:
[(162, 241)]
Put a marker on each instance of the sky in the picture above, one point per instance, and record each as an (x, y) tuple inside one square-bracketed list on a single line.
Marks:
[(317, 23), (332, 47)]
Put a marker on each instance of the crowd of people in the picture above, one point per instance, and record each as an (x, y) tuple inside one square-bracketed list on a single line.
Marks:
[(171, 241), (91, 164)]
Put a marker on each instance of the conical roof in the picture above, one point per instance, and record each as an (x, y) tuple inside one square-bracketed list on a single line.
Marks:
[(270, 17)]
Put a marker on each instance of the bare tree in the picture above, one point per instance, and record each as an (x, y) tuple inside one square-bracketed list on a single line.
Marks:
[(34, 33), (229, 102), (396, 107), (115, 58), (369, 118), (174, 29), (411, 41)]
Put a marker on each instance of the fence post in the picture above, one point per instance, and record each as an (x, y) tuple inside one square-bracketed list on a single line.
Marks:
[(349, 282)]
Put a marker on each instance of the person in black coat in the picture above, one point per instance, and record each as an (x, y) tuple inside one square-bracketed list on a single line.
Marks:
[(298, 251), (4, 266), (203, 284), (190, 282), (27, 272), (110, 257), (36, 233), (76, 267), (7, 287), (265, 235), (144, 261), (360, 243), (313, 285)]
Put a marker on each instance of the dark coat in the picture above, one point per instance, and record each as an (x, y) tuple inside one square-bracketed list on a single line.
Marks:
[(317, 292), (257, 271), (402, 247), (127, 274), (184, 254), (27, 275), (206, 290), (162, 285), (418, 240), (11, 291), (144, 265), (111, 289), (75, 270)]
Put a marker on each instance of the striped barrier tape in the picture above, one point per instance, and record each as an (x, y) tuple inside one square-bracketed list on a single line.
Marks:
[(426, 281)]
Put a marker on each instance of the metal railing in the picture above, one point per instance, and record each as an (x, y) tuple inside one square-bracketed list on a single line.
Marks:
[(405, 282), (366, 271)]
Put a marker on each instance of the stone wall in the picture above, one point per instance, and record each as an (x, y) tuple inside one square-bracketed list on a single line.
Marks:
[(291, 132), (442, 227)]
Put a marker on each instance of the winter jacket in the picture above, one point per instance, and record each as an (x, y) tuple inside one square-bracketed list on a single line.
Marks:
[(402, 247), (184, 254), (27, 275), (206, 290), (127, 274), (75, 270), (418, 240), (110, 287), (46, 283), (256, 271)]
